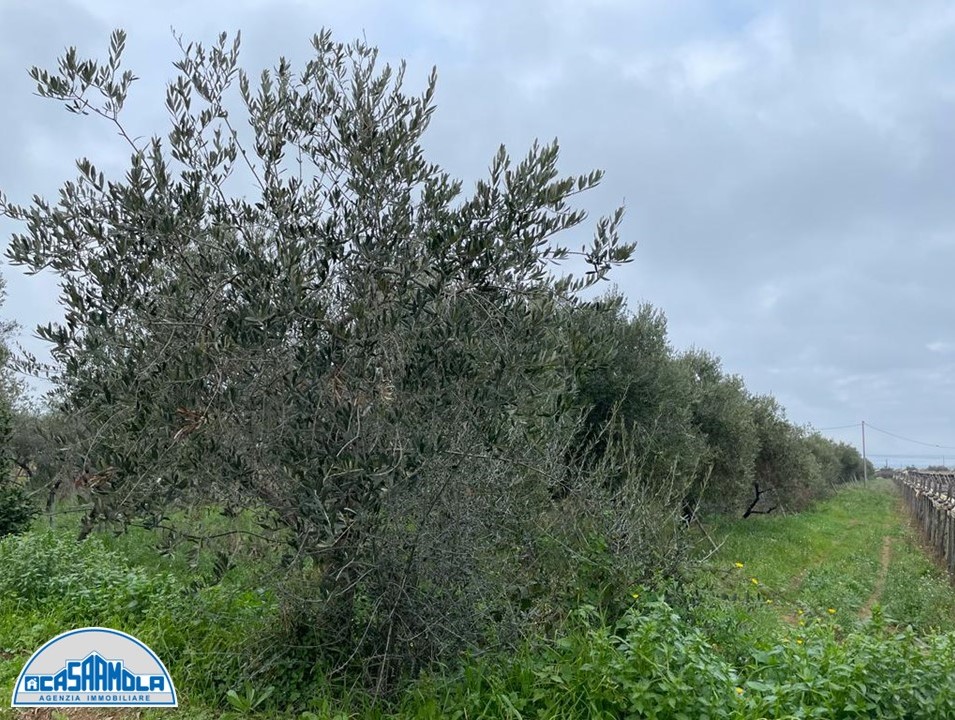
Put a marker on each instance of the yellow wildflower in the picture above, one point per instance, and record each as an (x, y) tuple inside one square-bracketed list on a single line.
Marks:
[(635, 596), (754, 581), (799, 641), (769, 602), (739, 691), (831, 611), (738, 564)]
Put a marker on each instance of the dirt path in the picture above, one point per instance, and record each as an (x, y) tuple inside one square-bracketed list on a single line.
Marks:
[(866, 611)]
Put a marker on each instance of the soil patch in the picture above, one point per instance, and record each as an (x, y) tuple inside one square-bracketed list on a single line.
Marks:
[(886, 557)]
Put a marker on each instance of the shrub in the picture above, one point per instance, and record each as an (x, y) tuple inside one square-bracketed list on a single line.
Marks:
[(17, 510), (649, 665), (80, 582), (654, 663)]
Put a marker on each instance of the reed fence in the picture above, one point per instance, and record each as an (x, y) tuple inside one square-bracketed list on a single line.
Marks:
[(930, 497)]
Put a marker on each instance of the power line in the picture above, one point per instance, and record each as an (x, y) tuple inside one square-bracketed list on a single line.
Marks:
[(837, 427), (907, 439), (890, 434), (898, 456)]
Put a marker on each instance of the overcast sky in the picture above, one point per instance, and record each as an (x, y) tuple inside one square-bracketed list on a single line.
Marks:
[(788, 168)]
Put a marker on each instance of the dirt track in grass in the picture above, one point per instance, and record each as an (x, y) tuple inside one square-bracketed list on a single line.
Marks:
[(865, 612)]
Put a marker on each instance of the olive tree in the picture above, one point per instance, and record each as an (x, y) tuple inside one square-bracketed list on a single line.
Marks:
[(723, 417), (635, 387), (283, 305), (788, 474), (17, 508)]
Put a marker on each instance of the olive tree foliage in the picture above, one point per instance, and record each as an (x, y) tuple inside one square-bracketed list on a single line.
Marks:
[(787, 470), (46, 451), (284, 305), (839, 462), (17, 507), (635, 388), (723, 417)]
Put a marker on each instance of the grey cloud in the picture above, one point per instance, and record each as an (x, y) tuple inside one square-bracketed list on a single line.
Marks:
[(787, 166)]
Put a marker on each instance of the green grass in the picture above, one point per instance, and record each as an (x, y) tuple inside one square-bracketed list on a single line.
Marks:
[(50, 583), (833, 557), (719, 645)]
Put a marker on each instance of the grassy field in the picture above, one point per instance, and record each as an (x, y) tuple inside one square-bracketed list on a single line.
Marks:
[(853, 554), (835, 612)]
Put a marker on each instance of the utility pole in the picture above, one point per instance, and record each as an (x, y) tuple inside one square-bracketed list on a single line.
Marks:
[(865, 464)]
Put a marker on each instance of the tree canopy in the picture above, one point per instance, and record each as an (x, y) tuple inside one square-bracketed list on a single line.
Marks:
[(282, 308)]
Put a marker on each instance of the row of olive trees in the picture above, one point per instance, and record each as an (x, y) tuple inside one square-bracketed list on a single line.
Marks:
[(283, 308), (734, 451)]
